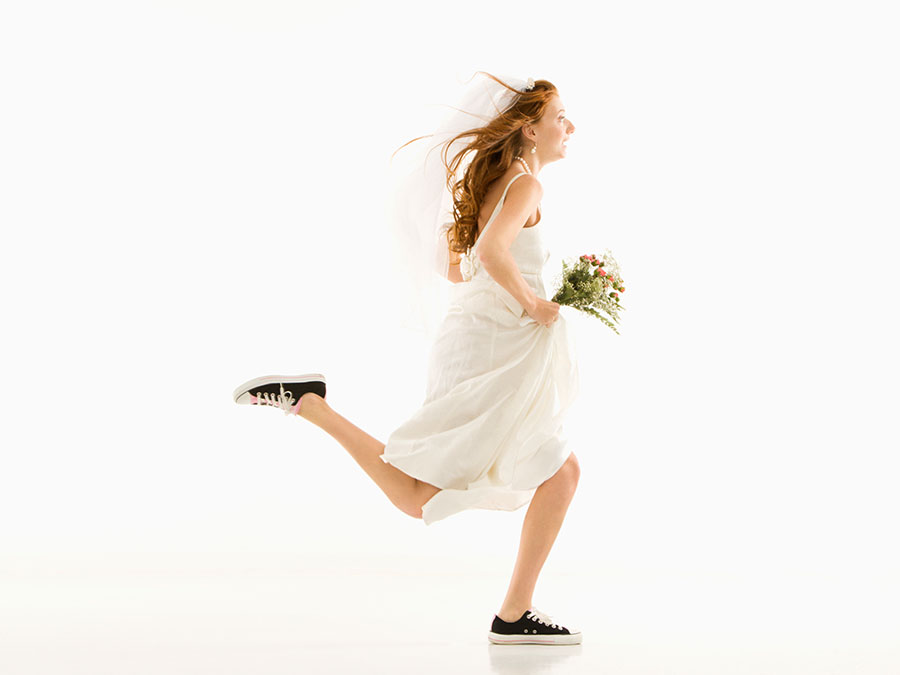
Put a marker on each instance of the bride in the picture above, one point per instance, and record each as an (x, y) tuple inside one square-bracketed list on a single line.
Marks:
[(501, 371)]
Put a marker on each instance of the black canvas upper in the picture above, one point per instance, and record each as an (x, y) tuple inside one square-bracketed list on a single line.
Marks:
[(527, 624), (297, 389)]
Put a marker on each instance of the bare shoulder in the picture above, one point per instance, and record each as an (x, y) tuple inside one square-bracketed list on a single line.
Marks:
[(523, 195), (527, 188)]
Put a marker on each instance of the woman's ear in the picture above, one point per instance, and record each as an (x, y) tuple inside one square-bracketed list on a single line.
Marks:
[(527, 133)]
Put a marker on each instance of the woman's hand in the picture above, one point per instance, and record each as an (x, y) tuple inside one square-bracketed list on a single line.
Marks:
[(545, 312)]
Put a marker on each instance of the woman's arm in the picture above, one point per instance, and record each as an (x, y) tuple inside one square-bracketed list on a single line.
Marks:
[(454, 274), (502, 267), (521, 200)]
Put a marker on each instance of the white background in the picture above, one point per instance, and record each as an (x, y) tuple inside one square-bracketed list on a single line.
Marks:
[(192, 196)]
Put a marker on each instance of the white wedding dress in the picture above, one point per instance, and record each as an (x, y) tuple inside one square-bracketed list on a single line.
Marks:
[(499, 385)]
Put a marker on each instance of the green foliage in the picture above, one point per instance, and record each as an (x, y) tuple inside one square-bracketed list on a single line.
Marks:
[(582, 286)]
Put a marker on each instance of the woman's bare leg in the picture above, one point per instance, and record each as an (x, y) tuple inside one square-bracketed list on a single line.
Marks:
[(405, 492), (542, 523)]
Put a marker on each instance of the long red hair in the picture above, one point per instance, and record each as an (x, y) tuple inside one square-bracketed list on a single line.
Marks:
[(495, 145)]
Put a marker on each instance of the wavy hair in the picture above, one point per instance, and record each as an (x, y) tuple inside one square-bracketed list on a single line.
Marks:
[(495, 145)]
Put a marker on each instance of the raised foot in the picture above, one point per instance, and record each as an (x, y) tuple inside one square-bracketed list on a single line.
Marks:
[(281, 391)]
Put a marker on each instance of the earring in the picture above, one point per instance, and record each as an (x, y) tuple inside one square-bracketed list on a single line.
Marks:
[(534, 149)]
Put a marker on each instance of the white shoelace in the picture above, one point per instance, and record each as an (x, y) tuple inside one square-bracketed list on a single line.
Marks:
[(545, 619), (284, 400)]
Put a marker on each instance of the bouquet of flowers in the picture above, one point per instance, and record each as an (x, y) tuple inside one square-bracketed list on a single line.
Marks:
[(592, 285)]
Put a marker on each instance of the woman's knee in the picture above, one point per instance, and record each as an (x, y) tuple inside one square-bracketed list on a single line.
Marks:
[(574, 468), (568, 473), (422, 493)]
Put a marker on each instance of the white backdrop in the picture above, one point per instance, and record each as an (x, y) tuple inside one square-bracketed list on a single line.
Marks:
[(193, 196)]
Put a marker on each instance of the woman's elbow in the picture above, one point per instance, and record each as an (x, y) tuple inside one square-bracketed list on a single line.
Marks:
[(487, 256)]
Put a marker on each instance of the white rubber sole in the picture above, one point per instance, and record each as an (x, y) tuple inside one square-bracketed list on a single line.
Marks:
[(524, 639), (270, 379)]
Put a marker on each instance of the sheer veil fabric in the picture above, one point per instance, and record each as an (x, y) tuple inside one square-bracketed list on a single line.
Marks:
[(420, 207)]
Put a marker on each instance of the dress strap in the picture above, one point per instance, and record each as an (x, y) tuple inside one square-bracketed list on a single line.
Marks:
[(497, 208)]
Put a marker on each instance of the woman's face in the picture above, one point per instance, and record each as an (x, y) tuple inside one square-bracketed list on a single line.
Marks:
[(552, 132)]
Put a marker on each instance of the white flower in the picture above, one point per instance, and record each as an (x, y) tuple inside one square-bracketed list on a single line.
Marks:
[(530, 84), (467, 265)]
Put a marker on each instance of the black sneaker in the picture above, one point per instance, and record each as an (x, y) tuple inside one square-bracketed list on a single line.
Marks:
[(280, 391), (533, 628)]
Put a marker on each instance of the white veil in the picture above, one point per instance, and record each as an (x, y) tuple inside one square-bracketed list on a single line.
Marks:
[(420, 207)]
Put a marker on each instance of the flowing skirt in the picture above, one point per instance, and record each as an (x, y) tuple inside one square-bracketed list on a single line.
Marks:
[(499, 385)]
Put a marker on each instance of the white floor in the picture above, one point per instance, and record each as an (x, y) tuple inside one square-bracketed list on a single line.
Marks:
[(270, 614)]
